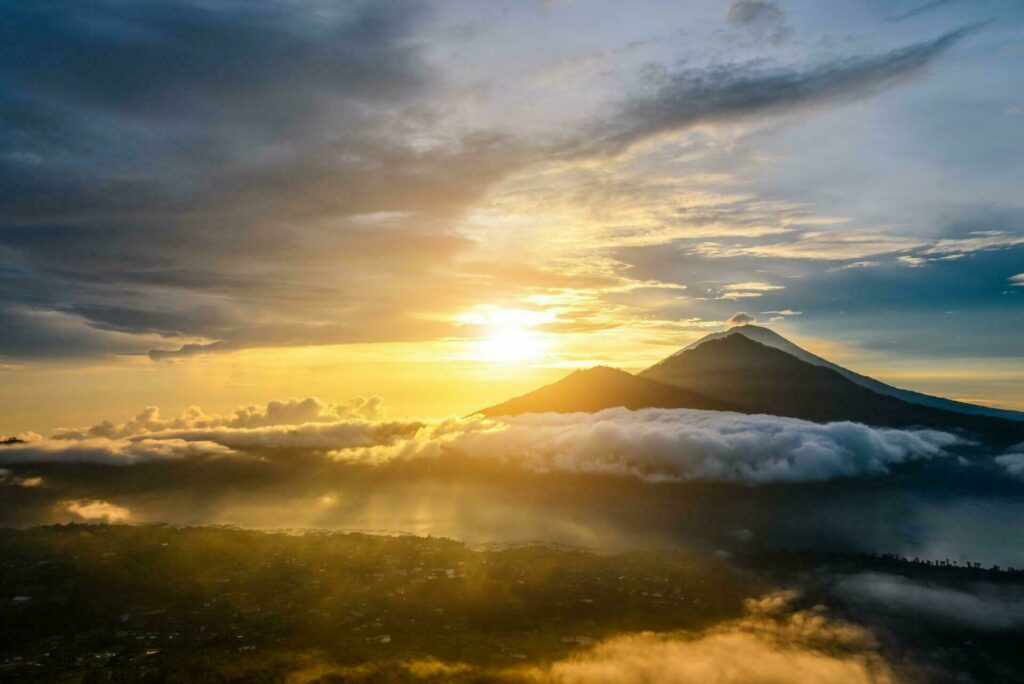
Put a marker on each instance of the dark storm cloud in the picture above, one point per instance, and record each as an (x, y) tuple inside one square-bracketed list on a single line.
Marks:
[(691, 97)]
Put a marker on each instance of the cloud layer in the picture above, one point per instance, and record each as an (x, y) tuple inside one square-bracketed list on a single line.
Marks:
[(656, 445)]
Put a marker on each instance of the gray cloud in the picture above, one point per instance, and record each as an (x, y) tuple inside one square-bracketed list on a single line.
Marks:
[(691, 97), (985, 607), (187, 350), (919, 10), (98, 451), (755, 12), (174, 177), (763, 19)]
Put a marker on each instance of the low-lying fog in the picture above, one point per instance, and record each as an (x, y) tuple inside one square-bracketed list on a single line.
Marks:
[(613, 480)]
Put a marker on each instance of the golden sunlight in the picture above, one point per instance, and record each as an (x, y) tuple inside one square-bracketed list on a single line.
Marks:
[(510, 336), (509, 344)]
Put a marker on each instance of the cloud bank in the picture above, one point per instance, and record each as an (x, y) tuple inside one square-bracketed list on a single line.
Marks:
[(655, 445), (288, 412), (985, 607)]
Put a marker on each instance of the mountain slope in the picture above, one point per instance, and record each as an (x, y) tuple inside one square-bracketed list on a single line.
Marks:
[(761, 379), (600, 388), (732, 372), (770, 338)]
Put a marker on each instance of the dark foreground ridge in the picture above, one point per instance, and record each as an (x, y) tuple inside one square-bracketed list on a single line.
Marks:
[(97, 603)]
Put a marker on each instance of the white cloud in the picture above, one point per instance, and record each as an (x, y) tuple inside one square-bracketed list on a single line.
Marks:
[(1017, 280), (741, 318), (97, 510), (661, 445), (748, 290), (1013, 461), (977, 241), (657, 445), (755, 286)]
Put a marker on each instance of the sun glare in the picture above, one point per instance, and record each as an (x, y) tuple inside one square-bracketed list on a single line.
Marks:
[(509, 335), (509, 344)]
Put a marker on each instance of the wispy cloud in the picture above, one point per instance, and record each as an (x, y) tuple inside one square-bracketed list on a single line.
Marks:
[(690, 97), (920, 9)]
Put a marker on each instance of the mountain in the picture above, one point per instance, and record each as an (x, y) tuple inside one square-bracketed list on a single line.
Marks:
[(771, 338), (736, 373), (599, 388), (762, 379)]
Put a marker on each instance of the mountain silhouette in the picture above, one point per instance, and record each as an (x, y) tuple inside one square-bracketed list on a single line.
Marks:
[(770, 338), (732, 372), (601, 387)]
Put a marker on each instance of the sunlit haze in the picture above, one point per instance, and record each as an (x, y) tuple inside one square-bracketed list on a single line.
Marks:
[(541, 341), (473, 195)]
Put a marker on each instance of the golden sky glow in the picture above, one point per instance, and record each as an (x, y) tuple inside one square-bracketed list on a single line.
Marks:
[(444, 221)]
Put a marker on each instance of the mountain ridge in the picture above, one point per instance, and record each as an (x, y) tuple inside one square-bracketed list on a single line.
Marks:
[(769, 337), (736, 373)]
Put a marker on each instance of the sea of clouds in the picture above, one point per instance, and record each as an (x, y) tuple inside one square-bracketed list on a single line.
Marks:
[(655, 445)]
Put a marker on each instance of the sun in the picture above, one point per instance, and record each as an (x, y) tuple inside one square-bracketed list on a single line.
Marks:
[(509, 344), (508, 335)]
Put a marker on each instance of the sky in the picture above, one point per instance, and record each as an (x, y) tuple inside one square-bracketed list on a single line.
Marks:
[(445, 204)]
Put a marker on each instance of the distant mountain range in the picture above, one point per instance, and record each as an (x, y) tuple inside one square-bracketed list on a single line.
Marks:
[(751, 369)]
